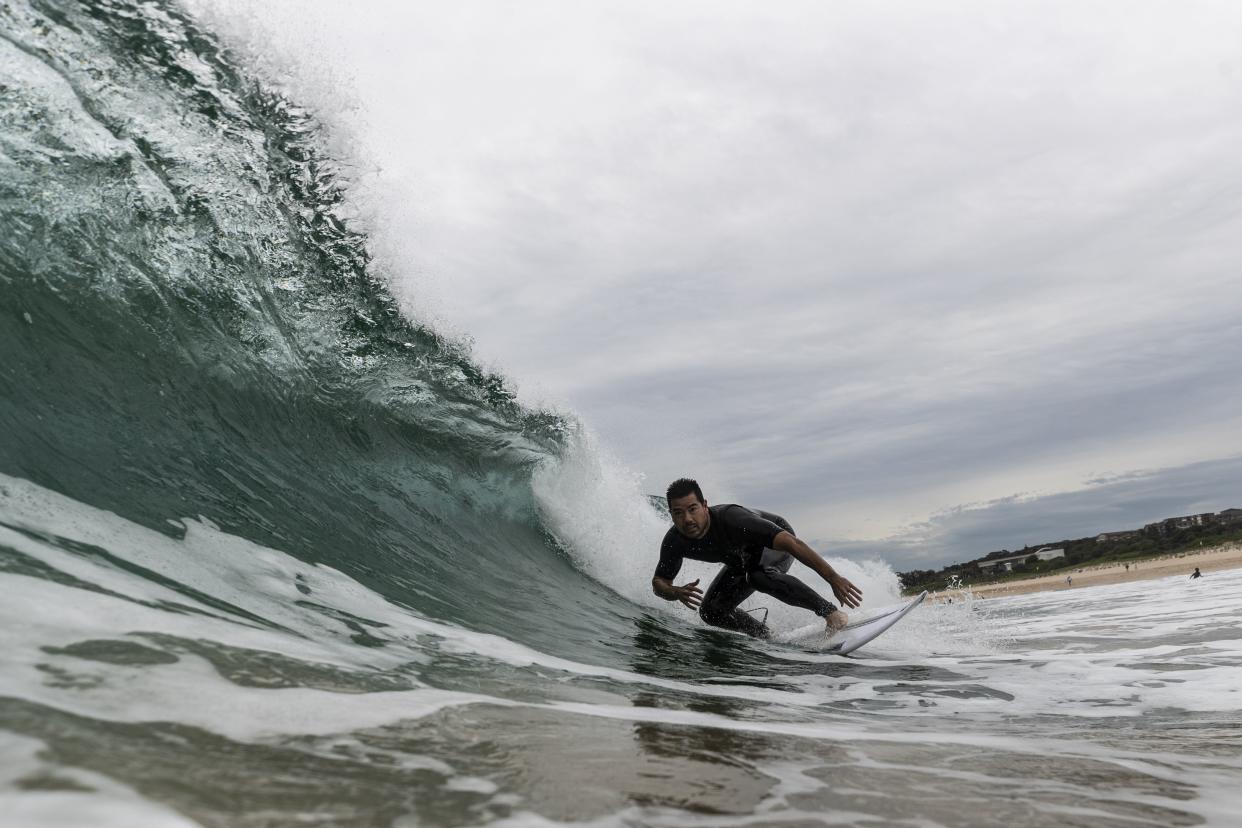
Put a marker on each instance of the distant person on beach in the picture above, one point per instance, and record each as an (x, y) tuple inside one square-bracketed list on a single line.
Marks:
[(1069, 580), (756, 547), (1196, 574)]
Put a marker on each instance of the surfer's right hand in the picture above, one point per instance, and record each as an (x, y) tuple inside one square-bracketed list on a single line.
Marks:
[(689, 594)]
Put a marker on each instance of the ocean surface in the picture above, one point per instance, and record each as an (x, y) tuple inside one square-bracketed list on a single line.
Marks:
[(274, 554)]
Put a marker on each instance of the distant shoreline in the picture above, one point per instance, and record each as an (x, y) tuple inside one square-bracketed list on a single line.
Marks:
[(1213, 559)]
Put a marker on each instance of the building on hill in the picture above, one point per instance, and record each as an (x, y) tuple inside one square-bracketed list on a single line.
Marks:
[(1163, 527), (1230, 516), (1046, 553)]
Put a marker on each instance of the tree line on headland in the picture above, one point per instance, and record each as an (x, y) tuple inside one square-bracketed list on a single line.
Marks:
[(1163, 537)]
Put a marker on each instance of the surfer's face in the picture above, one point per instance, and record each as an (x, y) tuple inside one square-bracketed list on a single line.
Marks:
[(690, 516)]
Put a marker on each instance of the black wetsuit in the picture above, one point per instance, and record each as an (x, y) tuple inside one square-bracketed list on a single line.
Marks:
[(741, 539)]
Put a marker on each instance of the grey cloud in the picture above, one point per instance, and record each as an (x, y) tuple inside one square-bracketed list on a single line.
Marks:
[(1097, 389)]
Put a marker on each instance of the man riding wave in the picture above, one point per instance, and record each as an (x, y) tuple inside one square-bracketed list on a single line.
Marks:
[(757, 549)]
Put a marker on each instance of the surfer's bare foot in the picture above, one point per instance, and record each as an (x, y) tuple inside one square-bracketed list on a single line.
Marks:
[(836, 621)]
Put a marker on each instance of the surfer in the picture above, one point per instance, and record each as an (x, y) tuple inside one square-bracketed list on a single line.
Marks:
[(756, 547), (1196, 574)]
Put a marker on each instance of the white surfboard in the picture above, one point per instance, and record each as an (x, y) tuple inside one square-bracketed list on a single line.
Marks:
[(858, 633)]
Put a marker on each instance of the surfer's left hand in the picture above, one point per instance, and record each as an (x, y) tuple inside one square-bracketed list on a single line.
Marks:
[(845, 591)]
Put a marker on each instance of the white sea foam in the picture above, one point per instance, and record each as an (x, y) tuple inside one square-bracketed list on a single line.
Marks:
[(1069, 676), (259, 582), (36, 793), (1129, 650)]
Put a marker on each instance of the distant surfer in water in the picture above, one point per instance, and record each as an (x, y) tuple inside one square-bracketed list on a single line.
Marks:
[(756, 547), (1196, 574)]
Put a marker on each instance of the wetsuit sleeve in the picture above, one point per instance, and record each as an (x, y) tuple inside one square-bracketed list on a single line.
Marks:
[(670, 560), (749, 528)]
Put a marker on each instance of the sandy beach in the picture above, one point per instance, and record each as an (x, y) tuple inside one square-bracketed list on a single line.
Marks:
[(1208, 560)]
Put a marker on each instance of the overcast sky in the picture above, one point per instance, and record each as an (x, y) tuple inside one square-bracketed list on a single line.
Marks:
[(931, 278)]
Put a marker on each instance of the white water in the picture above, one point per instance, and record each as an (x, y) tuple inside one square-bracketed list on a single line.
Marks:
[(1119, 694)]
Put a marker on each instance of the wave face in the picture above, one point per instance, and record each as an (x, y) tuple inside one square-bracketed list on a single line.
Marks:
[(192, 328), (271, 554)]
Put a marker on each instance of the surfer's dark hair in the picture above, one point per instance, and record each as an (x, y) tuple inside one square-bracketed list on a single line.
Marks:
[(683, 486)]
